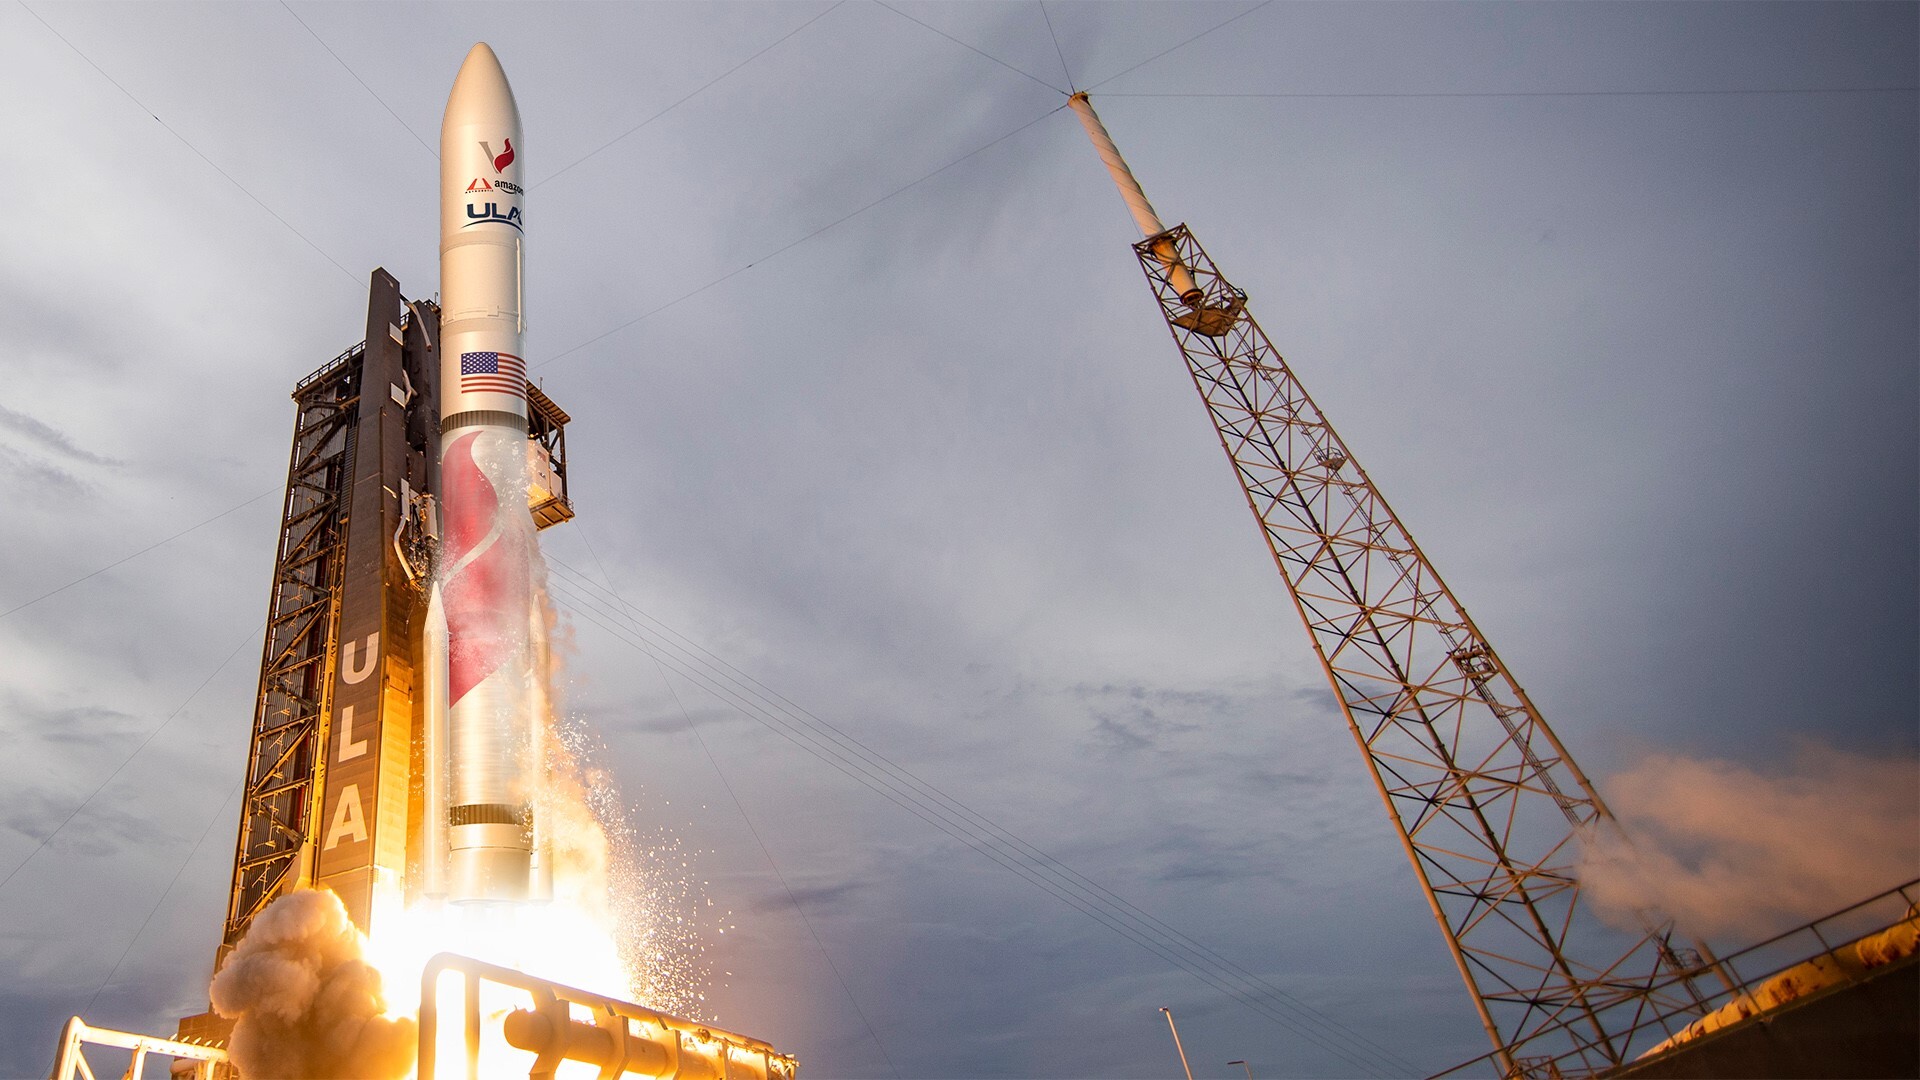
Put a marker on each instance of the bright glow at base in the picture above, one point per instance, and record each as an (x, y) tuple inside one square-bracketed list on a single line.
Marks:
[(547, 940), (624, 920), (553, 941)]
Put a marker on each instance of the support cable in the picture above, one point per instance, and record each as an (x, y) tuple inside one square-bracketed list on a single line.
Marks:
[(135, 555), (84, 803), (1057, 51), (899, 786), (1544, 93), (1182, 45), (183, 141), (218, 813), (881, 785), (694, 730), (361, 81), (973, 49), (796, 243), (696, 92), (795, 712)]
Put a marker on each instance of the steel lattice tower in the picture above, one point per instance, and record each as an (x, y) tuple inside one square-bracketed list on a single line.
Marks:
[(1490, 807)]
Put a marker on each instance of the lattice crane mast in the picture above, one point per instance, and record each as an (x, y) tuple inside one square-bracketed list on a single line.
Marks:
[(1489, 806)]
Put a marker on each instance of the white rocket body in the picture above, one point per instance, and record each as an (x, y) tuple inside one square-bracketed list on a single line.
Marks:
[(433, 785), (487, 535)]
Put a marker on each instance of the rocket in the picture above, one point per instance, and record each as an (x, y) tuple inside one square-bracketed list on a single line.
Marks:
[(481, 634)]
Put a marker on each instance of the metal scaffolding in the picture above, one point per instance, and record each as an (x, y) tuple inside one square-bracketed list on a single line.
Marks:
[(296, 665), (334, 718), (1488, 804), (566, 1024)]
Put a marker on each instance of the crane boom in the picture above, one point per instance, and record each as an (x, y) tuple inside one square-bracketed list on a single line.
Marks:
[(1487, 803)]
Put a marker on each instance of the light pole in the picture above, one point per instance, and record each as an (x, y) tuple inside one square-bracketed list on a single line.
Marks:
[(1176, 1042), (1245, 1066)]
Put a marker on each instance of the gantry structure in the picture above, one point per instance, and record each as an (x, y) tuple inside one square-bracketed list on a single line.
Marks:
[(326, 796), (329, 799), (1488, 804)]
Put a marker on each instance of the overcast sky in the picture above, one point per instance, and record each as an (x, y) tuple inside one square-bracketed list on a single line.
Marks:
[(1616, 303)]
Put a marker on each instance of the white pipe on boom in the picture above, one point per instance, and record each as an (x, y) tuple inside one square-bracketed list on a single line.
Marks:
[(1184, 1067), (1135, 198), (1130, 192)]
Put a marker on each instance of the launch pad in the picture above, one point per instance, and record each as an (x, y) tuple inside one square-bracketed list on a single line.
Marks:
[(404, 770), (335, 795), (557, 1024), (568, 1024), (329, 798)]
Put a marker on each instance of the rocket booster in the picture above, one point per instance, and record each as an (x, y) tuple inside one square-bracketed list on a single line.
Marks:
[(483, 768)]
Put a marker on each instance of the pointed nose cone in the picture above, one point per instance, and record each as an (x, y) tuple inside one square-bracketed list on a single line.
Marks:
[(482, 159), (480, 93)]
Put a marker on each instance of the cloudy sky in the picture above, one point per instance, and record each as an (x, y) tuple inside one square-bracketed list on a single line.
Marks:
[(1617, 304)]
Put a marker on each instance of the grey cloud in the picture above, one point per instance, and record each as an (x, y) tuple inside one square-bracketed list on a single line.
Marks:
[(816, 900), (1637, 371), (41, 474), (35, 814), (79, 726), (44, 435), (30, 1026), (676, 722), (1269, 781), (1136, 729), (102, 830), (1207, 700), (1136, 717), (1213, 866)]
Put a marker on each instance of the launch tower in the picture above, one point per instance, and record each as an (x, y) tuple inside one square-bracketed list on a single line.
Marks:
[(399, 743), (330, 798)]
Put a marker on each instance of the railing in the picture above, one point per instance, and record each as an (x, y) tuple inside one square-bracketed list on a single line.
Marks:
[(568, 1024), (329, 367), (1821, 937), (71, 1062)]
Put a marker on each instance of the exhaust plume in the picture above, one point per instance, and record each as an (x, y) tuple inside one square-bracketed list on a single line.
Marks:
[(306, 1005), (638, 888), (1724, 848)]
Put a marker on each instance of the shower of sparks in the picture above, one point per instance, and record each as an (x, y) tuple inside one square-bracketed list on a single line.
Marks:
[(628, 915)]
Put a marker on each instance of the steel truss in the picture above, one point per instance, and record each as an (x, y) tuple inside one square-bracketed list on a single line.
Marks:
[(547, 428), (294, 701), (1488, 804)]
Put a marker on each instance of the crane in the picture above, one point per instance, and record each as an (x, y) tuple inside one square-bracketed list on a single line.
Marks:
[(1488, 804)]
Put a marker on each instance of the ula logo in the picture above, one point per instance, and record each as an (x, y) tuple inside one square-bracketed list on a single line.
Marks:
[(500, 161), (491, 213), (479, 184)]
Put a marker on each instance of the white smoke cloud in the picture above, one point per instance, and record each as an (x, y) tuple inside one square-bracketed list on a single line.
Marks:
[(305, 1003), (1727, 849), (637, 887)]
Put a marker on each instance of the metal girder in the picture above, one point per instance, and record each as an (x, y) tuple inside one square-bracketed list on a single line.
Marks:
[(193, 1059), (1487, 803), (293, 697)]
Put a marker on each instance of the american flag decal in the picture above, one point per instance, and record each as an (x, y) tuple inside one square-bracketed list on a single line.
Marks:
[(493, 373)]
